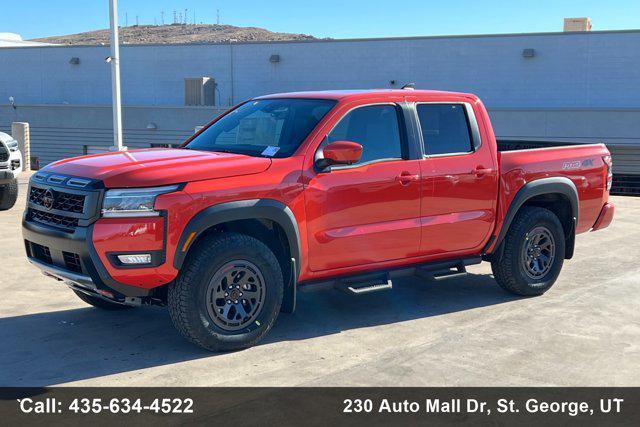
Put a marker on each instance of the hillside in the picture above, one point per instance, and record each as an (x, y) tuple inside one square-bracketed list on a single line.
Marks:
[(176, 33)]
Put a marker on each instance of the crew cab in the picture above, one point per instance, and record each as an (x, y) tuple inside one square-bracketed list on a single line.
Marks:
[(303, 191)]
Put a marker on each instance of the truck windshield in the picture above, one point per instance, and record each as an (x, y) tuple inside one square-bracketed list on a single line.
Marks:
[(265, 127)]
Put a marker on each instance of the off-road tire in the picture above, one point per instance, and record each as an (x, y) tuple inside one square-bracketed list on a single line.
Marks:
[(189, 301), (510, 271), (101, 303), (8, 195)]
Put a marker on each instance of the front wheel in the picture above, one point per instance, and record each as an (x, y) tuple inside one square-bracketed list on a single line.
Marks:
[(228, 294), (533, 253)]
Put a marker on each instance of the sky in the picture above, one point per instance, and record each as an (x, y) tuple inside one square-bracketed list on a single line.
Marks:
[(325, 18)]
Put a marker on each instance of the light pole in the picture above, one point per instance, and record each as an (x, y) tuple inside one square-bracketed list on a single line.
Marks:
[(115, 77)]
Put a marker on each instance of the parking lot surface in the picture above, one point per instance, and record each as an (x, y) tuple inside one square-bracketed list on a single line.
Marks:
[(459, 332)]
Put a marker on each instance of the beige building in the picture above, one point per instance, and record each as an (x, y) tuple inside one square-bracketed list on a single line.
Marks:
[(577, 24)]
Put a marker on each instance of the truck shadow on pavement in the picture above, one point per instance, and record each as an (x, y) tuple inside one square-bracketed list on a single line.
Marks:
[(78, 344)]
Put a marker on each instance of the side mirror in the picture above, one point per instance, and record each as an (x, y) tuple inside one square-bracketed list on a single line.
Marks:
[(340, 153)]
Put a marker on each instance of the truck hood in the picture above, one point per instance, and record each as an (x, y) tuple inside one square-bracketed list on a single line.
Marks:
[(158, 166)]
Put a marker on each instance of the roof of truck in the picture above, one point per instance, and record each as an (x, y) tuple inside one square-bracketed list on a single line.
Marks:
[(358, 93)]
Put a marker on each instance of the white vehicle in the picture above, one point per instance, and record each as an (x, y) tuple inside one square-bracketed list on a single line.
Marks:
[(10, 167)]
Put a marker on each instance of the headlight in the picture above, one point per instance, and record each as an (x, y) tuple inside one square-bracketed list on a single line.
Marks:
[(133, 201)]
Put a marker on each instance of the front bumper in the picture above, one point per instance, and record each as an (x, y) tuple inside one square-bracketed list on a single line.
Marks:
[(72, 258), (82, 283), (63, 229), (11, 168)]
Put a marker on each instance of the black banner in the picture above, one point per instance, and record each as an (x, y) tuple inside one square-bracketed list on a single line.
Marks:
[(320, 406)]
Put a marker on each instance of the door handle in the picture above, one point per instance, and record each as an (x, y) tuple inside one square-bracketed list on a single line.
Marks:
[(405, 178), (480, 171)]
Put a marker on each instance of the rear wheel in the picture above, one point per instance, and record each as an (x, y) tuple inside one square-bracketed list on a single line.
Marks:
[(533, 253), (101, 303), (8, 195), (228, 294)]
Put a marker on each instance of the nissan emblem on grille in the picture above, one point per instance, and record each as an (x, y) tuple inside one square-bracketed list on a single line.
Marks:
[(48, 200)]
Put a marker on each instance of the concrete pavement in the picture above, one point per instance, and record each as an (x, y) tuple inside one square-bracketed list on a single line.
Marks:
[(460, 332)]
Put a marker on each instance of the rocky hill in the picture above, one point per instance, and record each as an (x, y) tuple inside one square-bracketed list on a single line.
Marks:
[(176, 33)]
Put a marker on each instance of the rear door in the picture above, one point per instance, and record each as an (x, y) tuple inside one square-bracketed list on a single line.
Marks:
[(460, 179), (368, 212)]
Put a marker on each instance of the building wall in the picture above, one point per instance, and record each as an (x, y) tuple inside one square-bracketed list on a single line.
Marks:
[(596, 69)]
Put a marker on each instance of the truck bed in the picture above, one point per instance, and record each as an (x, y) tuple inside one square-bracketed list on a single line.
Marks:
[(583, 164), (624, 183)]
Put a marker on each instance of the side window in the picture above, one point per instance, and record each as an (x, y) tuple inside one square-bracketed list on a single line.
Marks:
[(375, 127), (445, 128)]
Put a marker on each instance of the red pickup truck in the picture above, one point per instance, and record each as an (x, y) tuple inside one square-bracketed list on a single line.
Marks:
[(346, 189)]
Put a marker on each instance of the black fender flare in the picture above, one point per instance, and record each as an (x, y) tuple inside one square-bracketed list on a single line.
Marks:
[(554, 185), (269, 209)]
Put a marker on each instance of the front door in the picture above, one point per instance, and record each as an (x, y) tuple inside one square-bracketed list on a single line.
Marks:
[(368, 212)]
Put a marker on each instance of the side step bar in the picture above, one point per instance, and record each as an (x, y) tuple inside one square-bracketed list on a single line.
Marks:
[(381, 279), (459, 270), (360, 289)]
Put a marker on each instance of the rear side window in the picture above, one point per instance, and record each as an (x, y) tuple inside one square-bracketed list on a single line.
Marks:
[(375, 127), (445, 128)]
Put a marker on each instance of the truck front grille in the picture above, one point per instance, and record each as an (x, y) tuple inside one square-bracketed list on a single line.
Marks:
[(58, 200), (55, 220), (63, 201)]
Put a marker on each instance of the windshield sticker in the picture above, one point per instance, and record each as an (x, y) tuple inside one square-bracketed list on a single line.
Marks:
[(270, 151)]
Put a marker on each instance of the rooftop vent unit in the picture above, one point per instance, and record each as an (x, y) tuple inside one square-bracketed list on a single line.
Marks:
[(577, 24), (199, 91)]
